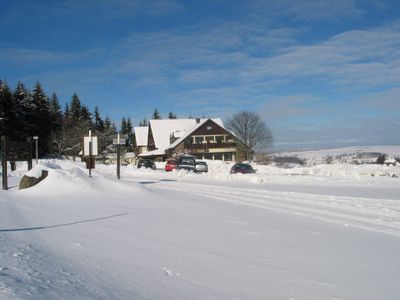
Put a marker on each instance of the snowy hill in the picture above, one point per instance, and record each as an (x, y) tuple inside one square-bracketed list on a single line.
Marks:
[(364, 154)]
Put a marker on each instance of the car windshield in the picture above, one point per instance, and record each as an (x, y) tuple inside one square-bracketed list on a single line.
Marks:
[(187, 161), (171, 162), (243, 167), (200, 163)]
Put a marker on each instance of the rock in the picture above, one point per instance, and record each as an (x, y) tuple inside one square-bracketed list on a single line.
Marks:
[(27, 182)]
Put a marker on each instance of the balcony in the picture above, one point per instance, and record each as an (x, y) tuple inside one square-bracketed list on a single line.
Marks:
[(209, 145)]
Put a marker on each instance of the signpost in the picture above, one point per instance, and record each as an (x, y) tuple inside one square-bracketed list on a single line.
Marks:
[(118, 142), (90, 149)]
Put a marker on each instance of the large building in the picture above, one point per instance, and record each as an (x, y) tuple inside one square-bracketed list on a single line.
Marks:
[(203, 138)]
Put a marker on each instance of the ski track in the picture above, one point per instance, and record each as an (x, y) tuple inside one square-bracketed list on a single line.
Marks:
[(378, 215)]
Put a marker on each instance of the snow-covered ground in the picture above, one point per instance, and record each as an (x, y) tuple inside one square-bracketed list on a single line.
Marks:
[(319, 232)]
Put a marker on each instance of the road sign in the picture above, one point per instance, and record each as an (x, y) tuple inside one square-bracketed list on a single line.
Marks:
[(90, 141), (119, 142)]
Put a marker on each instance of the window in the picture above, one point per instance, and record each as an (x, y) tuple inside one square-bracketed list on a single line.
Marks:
[(219, 138), (209, 127), (210, 139), (198, 139), (207, 156), (218, 156), (228, 156)]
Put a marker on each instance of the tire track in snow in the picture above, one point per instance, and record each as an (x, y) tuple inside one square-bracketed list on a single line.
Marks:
[(379, 215)]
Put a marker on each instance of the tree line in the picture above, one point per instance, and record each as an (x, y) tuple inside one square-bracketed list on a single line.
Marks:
[(25, 113)]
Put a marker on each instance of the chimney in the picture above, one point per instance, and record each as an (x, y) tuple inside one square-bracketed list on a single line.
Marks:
[(197, 120)]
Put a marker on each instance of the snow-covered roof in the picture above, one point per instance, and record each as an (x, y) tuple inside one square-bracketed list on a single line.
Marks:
[(141, 135), (153, 153), (162, 129), (191, 129), (188, 132)]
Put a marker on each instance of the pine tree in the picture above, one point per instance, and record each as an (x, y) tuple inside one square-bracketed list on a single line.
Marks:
[(41, 121), (85, 114), (156, 115), (171, 115), (107, 123), (56, 118), (66, 111), (25, 111), (98, 121), (129, 128), (55, 113), (143, 123), (123, 126), (7, 111), (75, 107)]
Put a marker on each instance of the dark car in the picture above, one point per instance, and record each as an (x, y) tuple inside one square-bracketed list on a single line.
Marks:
[(170, 165), (186, 162), (200, 166), (146, 163), (242, 168)]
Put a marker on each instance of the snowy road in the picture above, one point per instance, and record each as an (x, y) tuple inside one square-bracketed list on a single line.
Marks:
[(380, 215)]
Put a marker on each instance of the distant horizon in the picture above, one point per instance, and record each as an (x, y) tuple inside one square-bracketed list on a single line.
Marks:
[(273, 150), (319, 75)]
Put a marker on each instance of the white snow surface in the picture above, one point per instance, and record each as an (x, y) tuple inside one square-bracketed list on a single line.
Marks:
[(321, 232)]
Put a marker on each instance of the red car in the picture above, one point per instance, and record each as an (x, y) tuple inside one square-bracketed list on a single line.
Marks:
[(242, 168), (170, 165)]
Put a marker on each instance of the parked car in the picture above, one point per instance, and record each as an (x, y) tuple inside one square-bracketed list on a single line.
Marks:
[(170, 165), (242, 168), (200, 166), (146, 163), (186, 162)]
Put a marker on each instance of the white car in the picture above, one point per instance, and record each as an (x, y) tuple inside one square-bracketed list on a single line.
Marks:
[(200, 166)]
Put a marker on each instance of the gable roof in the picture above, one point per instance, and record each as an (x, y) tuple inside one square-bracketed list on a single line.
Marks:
[(141, 135), (193, 128), (162, 130)]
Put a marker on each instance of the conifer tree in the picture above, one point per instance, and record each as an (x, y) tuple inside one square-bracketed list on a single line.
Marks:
[(123, 126), (171, 115), (107, 123), (55, 113), (129, 128), (156, 115), (85, 114), (41, 121), (7, 110), (143, 123), (98, 121), (66, 111), (25, 111), (75, 107)]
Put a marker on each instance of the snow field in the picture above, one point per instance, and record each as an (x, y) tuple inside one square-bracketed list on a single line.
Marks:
[(179, 235)]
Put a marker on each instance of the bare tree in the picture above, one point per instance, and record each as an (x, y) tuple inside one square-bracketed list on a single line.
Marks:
[(251, 130)]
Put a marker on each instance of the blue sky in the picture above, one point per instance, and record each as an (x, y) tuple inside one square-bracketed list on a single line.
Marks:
[(320, 73)]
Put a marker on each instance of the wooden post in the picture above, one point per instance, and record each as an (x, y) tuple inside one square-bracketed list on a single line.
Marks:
[(118, 161), (30, 153), (90, 153), (4, 162)]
